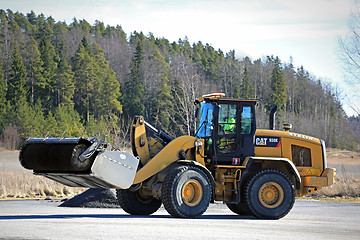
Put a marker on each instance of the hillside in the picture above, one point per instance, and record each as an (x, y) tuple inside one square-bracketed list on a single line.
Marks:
[(57, 77), (354, 123)]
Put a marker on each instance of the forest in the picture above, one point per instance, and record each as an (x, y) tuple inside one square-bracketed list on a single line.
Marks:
[(65, 79)]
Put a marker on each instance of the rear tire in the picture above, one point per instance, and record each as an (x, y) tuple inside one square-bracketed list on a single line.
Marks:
[(186, 192), (270, 194), (133, 203), (240, 208)]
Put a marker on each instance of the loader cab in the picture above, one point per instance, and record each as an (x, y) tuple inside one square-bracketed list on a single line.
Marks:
[(228, 127)]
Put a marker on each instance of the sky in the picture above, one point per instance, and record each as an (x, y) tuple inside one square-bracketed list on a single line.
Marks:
[(306, 31)]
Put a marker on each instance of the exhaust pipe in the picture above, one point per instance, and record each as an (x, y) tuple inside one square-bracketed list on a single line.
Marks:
[(272, 118)]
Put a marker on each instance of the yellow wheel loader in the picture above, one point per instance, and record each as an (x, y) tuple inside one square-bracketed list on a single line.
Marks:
[(253, 171)]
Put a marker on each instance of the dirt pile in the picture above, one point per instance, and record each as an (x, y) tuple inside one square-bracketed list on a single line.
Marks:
[(93, 198)]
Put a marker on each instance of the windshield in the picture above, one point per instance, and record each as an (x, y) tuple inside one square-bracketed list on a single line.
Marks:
[(204, 120)]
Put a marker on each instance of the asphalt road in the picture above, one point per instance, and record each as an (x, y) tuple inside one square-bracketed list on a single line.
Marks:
[(39, 219)]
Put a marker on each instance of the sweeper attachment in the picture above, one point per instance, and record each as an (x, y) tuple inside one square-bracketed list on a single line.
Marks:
[(79, 162)]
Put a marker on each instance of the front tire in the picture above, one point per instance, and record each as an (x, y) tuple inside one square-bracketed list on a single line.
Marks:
[(134, 203), (270, 194), (186, 192)]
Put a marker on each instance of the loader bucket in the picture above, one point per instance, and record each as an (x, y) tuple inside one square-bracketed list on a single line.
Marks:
[(59, 160)]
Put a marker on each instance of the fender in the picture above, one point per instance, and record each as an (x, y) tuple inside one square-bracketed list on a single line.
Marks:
[(207, 172), (165, 157), (288, 164)]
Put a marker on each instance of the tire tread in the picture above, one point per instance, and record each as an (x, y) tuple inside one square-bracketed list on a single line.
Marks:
[(168, 189), (251, 180), (134, 207)]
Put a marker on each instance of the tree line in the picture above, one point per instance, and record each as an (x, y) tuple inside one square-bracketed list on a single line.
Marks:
[(77, 77)]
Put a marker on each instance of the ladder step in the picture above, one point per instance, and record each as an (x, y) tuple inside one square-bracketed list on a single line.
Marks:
[(235, 198)]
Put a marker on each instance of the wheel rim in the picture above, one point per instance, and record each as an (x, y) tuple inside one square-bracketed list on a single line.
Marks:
[(191, 192), (143, 199), (271, 195)]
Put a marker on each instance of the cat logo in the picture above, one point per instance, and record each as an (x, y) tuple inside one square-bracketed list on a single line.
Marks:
[(267, 141), (261, 141)]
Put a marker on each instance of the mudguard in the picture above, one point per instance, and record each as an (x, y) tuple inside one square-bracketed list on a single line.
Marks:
[(289, 165)]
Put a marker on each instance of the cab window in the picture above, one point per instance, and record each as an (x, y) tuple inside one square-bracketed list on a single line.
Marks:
[(246, 120), (205, 120), (227, 118)]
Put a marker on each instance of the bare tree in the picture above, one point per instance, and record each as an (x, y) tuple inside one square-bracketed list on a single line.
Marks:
[(349, 54), (10, 138), (192, 85)]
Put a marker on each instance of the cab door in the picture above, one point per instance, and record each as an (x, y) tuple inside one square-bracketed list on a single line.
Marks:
[(234, 133), (247, 130)]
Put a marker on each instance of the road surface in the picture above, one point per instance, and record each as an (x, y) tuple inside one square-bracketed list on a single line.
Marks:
[(40, 219)]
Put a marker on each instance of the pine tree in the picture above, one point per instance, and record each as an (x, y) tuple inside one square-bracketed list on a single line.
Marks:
[(68, 120), (247, 90), (25, 119), (302, 87), (40, 128), (46, 85), (278, 86), (231, 75), (2, 88), (107, 90), (2, 98), (44, 25), (35, 69), (17, 82), (65, 87), (5, 41), (134, 88), (85, 76), (16, 32), (24, 23), (52, 125), (32, 18), (163, 100)]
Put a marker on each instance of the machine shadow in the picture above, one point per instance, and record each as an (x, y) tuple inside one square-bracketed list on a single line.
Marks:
[(65, 216), (119, 216)]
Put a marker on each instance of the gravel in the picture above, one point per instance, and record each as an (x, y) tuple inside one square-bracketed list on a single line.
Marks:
[(93, 198)]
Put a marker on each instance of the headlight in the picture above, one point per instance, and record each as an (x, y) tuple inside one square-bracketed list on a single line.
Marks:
[(198, 143)]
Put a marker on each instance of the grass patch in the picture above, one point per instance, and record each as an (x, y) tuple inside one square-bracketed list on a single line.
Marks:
[(345, 189), (27, 186)]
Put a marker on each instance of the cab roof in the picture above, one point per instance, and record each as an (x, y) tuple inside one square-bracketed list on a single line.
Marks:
[(220, 97)]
